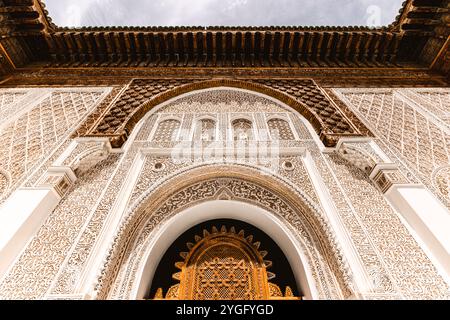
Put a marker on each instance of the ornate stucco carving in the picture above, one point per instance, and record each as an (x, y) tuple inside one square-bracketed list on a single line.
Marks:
[(393, 251), (411, 123), (4, 181), (57, 258), (9, 105), (47, 122), (441, 180), (357, 157)]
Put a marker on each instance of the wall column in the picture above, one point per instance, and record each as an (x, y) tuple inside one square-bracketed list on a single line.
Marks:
[(426, 218), (26, 210)]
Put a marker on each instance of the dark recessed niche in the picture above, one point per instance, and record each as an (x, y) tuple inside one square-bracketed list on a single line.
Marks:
[(166, 268)]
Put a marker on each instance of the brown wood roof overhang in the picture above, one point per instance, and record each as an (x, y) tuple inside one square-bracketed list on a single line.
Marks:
[(418, 36)]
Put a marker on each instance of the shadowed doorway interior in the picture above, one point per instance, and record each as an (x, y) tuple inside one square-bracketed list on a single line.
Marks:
[(224, 260)]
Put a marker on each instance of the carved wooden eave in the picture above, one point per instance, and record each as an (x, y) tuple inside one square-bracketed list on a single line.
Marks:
[(30, 39), (428, 21)]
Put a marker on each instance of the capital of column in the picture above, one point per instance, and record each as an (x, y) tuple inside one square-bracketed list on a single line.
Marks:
[(59, 178), (386, 175)]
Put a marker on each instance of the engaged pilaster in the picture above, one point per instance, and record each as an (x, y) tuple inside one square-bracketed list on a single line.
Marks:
[(425, 216), (26, 209)]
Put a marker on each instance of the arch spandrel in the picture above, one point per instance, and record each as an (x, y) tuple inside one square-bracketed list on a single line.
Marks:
[(303, 96)]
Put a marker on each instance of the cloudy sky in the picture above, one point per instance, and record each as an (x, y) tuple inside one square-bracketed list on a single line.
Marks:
[(76, 13)]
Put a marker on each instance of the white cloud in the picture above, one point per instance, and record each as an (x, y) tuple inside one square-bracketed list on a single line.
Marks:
[(73, 15), (221, 12)]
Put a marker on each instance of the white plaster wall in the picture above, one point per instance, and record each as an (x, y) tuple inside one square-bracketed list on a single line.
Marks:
[(427, 219), (20, 217)]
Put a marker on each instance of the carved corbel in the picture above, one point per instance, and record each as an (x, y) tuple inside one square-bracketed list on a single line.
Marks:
[(87, 154), (79, 157), (357, 157), (382, 173)]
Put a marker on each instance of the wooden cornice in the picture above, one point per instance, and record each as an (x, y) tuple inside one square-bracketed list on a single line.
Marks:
[(31, 39), (420, 16), (218, 49)]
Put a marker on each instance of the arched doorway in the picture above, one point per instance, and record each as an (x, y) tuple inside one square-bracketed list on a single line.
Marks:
[(139, 241), (147, 258), (224, 259)]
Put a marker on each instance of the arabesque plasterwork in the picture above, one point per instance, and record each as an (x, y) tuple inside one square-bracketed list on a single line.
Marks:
[(10, 102), (46, 120), (413, 123), (56, 260)]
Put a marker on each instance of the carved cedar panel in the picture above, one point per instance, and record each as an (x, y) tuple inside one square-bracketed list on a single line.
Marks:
[(303, 95)]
